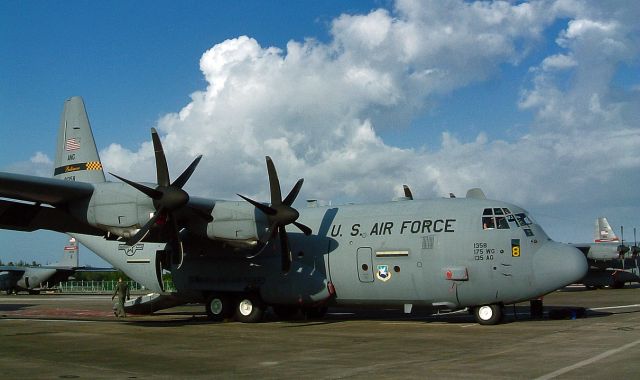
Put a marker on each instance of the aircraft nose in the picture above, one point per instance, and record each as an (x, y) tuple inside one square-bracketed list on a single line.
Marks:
[(557, 265)]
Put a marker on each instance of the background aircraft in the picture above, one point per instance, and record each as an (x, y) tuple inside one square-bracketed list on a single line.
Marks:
[(611, 261), (239, 258), (33, 279)]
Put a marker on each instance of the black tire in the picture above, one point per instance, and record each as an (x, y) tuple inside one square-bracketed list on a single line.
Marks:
[(317, 312), (218, 307), (488, 314), (249, 308), (618, 285), (285, 312)]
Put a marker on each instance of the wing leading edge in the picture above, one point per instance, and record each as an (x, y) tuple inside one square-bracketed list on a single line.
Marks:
[(44, 190)]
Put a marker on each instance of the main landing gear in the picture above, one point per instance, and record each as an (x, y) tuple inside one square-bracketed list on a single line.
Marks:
[(246, 308), (488, 314), (249, 308)]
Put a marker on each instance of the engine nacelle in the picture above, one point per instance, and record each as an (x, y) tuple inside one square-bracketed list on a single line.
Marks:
[(116, 208), (236, 221)]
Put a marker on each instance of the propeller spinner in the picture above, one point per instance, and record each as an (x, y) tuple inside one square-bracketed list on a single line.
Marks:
[(280, 213), (167, 199)]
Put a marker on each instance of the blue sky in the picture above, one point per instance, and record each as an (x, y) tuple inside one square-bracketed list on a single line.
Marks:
[(537, 103)]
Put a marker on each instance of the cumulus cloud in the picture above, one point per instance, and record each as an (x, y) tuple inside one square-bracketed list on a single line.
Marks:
[(39, 165), (317, 108)]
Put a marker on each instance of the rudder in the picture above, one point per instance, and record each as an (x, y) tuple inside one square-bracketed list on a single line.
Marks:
[(70, 257), (604, 232), (76, 154)]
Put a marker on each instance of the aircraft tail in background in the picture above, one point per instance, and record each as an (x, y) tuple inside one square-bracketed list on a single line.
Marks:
[(69, 256), (76, 153), (604, 233)]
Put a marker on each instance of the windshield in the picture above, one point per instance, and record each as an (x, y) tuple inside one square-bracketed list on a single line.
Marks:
[(501, 218)]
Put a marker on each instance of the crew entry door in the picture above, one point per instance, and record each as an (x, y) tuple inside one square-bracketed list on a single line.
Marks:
[(365, 264)]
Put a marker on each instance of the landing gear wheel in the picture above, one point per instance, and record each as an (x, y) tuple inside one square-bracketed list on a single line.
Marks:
[(315, 312), (285, 312), (488, 314), (249, 309), (218, 307)]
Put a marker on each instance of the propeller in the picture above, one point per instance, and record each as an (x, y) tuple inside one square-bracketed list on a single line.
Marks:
[(167, 198), (280, 213), (622, 249)]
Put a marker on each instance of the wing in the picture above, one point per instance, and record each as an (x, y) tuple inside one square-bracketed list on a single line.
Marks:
[(29, 217), (13, 269), (44, 190)]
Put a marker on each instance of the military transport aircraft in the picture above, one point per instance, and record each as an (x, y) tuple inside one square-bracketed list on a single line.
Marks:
[(15, 279), (239, 257), (606, 244), (611, 262)]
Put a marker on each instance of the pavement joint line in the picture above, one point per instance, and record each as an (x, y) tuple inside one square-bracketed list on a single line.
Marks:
[(616, 307), (585, 362)]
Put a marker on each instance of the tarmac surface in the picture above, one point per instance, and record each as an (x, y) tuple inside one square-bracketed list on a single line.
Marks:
[(76, 336)]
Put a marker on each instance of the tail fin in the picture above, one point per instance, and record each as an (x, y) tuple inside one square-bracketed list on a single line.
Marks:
[(69, 256), (604, 233), (76, 155)]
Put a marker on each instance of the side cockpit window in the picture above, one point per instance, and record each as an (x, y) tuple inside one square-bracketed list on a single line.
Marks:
[(523, 219)]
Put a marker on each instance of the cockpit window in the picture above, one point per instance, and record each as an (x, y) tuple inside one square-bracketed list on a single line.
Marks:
[(503, 219), (494, 218), (523, 219)]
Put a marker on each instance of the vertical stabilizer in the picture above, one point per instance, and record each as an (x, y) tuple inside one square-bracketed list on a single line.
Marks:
[(69, 256), (604, 233), (76, 154)]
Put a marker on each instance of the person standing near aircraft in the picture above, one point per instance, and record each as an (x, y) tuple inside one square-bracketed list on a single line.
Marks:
[(121, 290)]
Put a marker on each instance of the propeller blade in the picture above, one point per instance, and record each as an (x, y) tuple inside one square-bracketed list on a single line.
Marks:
[(264, 208), (151, 193), (274, 183), (306, 230), (270, 233), (407, 192), (162, 171), (142, 233), (293, 193), (184, 177), (176, 243), (286, 252)]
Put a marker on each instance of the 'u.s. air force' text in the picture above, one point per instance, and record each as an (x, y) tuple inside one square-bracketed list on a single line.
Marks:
[(425, 226)]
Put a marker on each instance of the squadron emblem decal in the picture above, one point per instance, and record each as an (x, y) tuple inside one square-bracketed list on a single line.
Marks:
[(383, 273)]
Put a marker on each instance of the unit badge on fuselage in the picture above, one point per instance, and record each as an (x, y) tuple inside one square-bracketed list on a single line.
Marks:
[(383, 274)]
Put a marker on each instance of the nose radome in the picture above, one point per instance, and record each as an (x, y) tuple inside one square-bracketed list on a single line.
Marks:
[(557, 265)]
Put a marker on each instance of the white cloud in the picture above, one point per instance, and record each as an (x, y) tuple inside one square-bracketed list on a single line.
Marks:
[(316, 108), (39, 165)]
